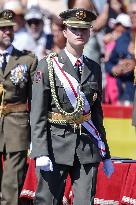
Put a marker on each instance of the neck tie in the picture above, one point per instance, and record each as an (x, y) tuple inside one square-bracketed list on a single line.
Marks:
[(4, 61), (78, 68)]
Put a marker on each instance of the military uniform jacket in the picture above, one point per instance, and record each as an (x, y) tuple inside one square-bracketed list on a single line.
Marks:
[(59, 142), (14, 127)]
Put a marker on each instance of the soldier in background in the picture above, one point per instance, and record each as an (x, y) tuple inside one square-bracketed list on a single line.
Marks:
[(22, 39), (68, 136), (16, 74)]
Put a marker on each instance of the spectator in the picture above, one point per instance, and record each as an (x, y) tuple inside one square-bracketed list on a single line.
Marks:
[(107, 17), (111, 89), (121, 22), (99, 5), (35, 26), (120, 51), (128, 65)]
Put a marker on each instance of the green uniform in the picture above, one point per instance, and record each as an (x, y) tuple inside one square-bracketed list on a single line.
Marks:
[(15, 98), (64, 146)]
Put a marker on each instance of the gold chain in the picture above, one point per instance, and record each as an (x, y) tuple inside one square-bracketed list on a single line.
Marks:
[(80, 102)]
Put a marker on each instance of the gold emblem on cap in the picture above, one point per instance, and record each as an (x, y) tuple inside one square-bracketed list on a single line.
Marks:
[(81, 15), (7, 15)]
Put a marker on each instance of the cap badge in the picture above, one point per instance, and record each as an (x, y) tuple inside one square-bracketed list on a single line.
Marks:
[(7, 15), (81, 15)]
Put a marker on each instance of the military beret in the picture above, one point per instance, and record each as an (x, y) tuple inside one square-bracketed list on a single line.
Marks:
[(78, 17), (7, 18)]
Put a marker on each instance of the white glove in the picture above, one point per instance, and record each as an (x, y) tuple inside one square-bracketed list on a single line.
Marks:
[(30, 149), (44, 163), (108, 167)]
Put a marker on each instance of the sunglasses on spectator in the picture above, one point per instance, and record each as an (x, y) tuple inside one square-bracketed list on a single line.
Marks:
[(34, 21)]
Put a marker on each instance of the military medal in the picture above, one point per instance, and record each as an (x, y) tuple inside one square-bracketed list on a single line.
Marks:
[(19, 75)]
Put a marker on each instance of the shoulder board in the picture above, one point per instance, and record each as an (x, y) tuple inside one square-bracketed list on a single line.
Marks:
[(90, 60), (31, 54)]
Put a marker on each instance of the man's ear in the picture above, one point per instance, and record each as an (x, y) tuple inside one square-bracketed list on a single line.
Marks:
[(65, 33)]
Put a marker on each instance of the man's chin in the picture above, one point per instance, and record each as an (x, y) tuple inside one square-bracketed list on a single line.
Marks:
[(80, 43), (8, 40), (7, 44)]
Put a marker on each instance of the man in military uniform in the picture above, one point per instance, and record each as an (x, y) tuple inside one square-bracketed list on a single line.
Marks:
[(66, 118), (16, 73)]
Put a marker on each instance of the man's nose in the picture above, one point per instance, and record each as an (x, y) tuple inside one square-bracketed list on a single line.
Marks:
[(79, 32)]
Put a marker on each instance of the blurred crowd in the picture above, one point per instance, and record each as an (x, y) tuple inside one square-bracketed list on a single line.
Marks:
[(40, 30)]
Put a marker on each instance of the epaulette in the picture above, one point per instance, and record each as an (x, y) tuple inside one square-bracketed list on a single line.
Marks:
[(44, 58), (30, 53)]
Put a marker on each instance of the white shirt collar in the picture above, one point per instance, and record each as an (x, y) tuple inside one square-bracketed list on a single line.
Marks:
[(72, 58)]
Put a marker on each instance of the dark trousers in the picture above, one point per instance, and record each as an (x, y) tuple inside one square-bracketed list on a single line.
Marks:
[(51, 185), (12, 177)]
